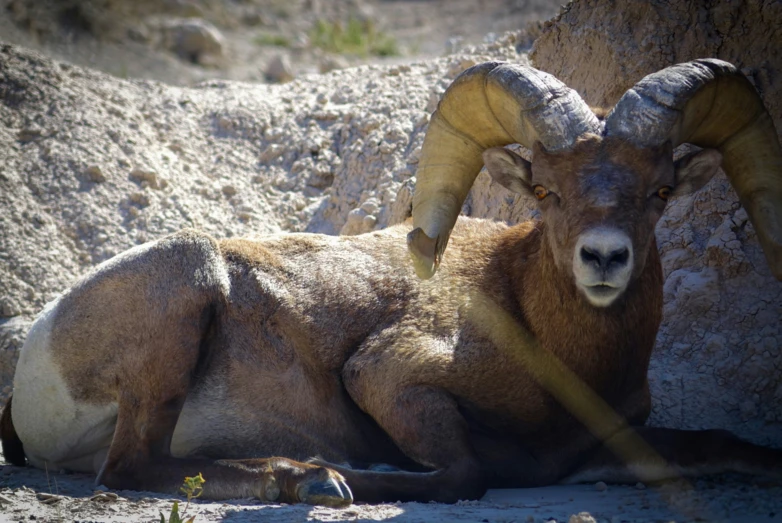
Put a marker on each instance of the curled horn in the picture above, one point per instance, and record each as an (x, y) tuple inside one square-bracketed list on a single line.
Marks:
[(709, 103), (488, 105)]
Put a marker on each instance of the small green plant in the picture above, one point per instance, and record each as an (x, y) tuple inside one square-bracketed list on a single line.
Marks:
[(357, 37), (175, 516), (276, 40), (192, 488)]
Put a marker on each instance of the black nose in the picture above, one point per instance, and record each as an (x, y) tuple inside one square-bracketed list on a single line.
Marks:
[(604, 260)]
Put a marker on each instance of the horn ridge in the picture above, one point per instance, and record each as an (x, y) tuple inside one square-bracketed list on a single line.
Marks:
[(649, 113), (709, 103), (488, 105), (548, 110)]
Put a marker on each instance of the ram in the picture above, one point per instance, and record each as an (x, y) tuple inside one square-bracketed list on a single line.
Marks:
[(523, 362)]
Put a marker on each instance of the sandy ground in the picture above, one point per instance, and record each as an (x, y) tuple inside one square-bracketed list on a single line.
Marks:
[(28, 494)]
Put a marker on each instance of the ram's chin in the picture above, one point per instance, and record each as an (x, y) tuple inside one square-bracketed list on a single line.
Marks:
[(601, 295)]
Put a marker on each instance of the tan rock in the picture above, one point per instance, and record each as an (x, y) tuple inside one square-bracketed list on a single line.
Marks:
[(601, 48), (194, 40), (279, 69)]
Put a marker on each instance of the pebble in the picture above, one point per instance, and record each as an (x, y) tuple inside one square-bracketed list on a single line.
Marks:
[(330, 63), (279, 69), (9, 307), (104, 497), (600, 486), (96, 174), (582, 517), (142, 176), (139, 198), (48, 499)]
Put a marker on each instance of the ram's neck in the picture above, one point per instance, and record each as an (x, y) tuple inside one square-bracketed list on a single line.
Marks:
[(596, 343)]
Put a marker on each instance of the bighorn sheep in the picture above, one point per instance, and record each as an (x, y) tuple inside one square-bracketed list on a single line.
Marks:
[(522, 363)]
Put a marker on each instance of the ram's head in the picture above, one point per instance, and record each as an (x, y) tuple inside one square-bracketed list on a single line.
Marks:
[(601, 185)]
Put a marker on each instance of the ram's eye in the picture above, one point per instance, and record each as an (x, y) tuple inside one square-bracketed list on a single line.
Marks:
[(540, 192), (664, 193)]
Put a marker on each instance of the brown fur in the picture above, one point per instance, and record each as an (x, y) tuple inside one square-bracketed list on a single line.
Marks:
[(305, 345), (600, 112)]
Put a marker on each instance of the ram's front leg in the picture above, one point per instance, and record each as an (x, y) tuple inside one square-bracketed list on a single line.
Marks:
[(139, 459), (425, 423), (269, 479)]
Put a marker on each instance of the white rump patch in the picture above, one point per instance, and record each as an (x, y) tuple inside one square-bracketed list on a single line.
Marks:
[(56, 431)]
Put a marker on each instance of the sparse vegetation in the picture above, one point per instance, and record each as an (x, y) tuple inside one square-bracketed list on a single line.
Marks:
[(357, 37), (276, 40), (192, 488), (175, 516)]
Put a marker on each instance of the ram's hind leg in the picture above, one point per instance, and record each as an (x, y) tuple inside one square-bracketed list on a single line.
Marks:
[(141, 327), (654, 454)]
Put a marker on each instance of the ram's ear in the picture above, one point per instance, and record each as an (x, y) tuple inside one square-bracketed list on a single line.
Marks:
[(509, 169), (694, 170)]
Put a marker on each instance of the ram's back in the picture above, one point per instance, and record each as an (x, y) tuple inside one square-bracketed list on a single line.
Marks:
[(320, 296)]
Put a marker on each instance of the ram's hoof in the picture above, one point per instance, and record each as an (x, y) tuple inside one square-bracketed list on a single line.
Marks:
[(327, 489)]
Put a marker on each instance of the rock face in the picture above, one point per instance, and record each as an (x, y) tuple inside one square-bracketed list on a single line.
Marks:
[(718, 360), (602, 47), (93, 165)]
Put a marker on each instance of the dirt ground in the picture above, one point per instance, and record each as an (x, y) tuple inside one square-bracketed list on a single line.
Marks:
[(28, 494)]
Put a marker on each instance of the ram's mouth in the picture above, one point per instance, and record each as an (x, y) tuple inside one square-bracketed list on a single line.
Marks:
[(601, 294), (603, 288)]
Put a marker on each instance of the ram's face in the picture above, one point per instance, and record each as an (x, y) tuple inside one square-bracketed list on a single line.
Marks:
[(600, 204), (600, 201)]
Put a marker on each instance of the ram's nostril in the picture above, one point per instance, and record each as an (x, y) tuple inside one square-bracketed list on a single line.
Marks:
[(619, 256), (589, 256), (595, 256)]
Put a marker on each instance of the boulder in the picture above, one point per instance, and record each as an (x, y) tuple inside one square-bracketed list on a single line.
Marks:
[(332, 62), (194, 40), (279, 69)]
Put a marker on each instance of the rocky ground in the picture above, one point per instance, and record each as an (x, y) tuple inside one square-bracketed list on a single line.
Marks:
[(31, 495)]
